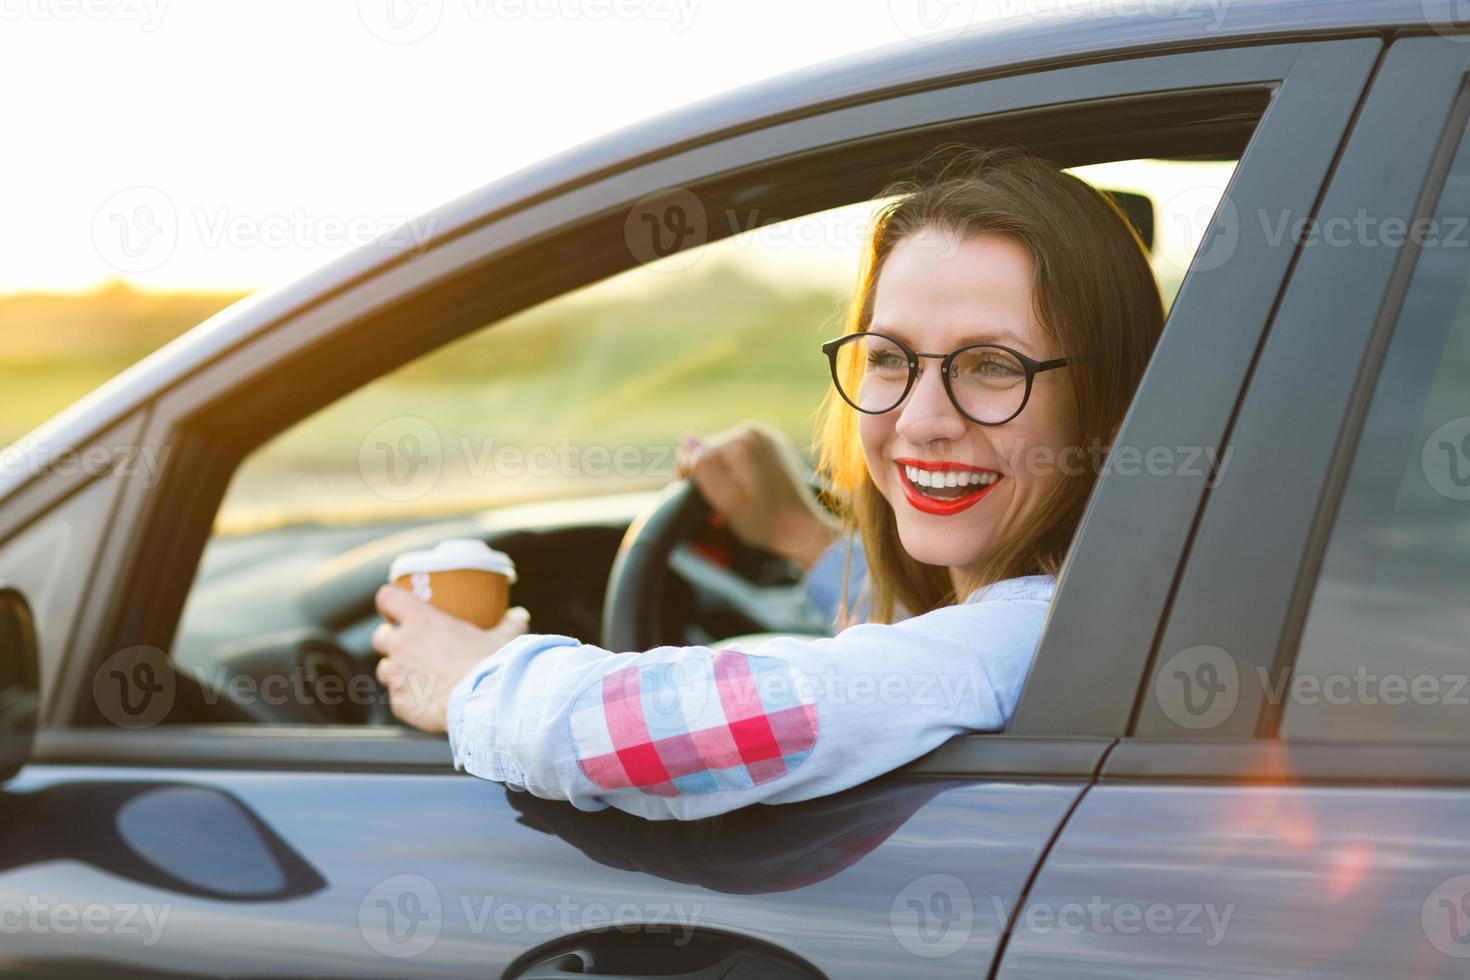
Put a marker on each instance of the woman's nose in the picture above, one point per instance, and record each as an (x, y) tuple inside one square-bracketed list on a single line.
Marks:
[(927, 413)]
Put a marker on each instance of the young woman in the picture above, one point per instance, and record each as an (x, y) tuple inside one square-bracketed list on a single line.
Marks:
[(1005, 314)]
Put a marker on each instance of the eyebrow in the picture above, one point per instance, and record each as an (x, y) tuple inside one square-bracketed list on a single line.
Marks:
[(1002, 337)]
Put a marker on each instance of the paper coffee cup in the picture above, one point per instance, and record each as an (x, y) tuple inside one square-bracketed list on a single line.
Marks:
[(464, 577)]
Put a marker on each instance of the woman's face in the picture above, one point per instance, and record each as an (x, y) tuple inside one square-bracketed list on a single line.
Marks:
[(937, 292)]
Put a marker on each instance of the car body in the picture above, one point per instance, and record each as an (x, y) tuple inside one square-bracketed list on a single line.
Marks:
[(1104, 834)]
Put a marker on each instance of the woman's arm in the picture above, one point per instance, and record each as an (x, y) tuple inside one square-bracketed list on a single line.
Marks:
[(689, 732)]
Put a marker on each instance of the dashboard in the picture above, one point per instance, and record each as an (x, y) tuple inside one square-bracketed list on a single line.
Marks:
[(277, 626)]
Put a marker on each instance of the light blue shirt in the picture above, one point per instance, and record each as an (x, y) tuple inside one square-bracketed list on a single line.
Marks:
[(823, 583), (690, 732)]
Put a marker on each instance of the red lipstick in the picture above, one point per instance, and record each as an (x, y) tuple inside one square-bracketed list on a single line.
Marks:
[(941, 508)]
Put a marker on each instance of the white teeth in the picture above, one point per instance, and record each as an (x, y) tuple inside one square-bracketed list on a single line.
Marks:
[(950, 478)]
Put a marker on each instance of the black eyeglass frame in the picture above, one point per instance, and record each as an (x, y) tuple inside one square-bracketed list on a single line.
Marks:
[(1032, 366)]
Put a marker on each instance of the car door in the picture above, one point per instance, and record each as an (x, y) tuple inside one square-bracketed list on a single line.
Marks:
[(1293, 796), (359, 851)]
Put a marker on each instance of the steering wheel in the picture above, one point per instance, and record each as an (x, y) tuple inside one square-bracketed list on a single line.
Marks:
[(636, 597), (631, 607)]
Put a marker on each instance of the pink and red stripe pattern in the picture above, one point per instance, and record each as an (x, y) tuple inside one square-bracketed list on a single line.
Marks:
[(695, 724)]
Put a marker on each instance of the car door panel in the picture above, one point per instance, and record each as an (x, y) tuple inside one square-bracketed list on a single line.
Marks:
[(1176, 881), (1317, 857), (426, 875)]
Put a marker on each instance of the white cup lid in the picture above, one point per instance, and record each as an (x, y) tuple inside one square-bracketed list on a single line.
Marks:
[(453, 555)]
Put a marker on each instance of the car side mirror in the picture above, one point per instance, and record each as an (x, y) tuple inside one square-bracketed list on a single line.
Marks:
[(1139, 210), (20, 689), (174, 836)]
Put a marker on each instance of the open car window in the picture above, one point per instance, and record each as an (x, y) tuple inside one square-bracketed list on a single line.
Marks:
[(551, 429)]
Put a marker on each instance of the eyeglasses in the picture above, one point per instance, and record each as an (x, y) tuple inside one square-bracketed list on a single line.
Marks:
[(988, 383)]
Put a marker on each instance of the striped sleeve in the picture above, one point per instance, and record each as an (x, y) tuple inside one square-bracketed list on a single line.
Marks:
[(690, 732)]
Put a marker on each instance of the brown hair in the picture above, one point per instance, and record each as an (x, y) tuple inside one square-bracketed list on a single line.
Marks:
[(1095, 295)]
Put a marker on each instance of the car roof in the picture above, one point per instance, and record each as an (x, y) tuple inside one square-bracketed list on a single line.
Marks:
[(1075, 31)]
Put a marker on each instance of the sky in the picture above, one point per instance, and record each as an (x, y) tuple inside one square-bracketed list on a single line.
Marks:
[(225, 144)]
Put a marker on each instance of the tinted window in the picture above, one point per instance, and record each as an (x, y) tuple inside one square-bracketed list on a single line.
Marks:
[(1385, 653)]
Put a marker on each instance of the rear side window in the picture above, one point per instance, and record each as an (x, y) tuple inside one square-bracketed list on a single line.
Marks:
[(1385, 651)]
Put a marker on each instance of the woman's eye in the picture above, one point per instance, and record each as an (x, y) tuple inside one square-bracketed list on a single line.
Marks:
[(885, 360), (994, 368)]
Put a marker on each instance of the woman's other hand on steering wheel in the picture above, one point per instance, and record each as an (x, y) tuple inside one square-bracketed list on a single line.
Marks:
[(426, 652), (752, 475)]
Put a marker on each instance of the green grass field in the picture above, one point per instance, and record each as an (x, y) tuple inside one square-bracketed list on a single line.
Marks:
[(600, 369)]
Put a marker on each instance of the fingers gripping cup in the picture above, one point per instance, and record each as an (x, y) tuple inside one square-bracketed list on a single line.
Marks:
[(464, 577)]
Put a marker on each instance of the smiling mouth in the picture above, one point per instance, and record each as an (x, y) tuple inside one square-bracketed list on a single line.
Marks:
[(926, 486), (950, 483)]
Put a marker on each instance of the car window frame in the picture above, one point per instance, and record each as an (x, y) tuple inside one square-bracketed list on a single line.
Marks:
[(1412, 123), (161, 527)]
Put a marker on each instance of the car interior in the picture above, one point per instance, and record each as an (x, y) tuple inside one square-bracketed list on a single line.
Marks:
[(442, 445)]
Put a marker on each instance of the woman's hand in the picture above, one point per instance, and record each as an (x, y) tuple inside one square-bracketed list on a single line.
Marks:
[(752, 475), (426, 652)]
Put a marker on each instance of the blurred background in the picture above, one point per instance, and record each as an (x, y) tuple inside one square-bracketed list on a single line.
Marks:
[(170, 157)]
